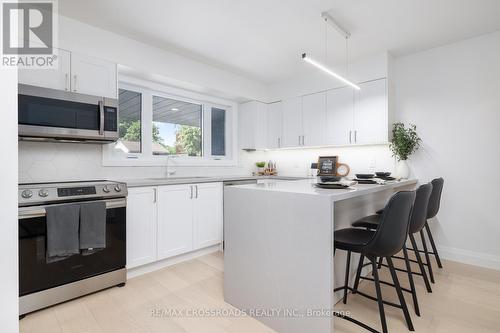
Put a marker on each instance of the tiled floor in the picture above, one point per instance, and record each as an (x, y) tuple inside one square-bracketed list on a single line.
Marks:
[(465, 299)]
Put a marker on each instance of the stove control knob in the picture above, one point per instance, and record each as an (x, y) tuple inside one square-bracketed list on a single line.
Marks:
[(106, 189), (43, 193), (26, 194), (118, 188)]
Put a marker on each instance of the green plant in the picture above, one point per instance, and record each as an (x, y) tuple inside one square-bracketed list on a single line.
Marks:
[(260, 164), (405, 141), (188, 140)]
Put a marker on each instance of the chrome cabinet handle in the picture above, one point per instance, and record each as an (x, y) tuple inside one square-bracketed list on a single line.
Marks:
[(191, 192), (303, 140), (196, 188), (355, 136), (154, 195), (66, 82), (74, 82), (279, 142), (350, 136)]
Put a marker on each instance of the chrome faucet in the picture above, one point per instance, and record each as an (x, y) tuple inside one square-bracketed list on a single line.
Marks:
[(167, 171)]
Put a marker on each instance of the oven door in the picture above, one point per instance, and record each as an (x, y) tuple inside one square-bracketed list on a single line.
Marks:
[(35, 274), (55, 114)]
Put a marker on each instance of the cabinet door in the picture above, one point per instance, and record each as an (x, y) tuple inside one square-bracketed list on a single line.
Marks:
[(141, 226), (339, 116), (93, 76), (274, 123), (371, 113), (253, 125), (207, 219), (292, 122), (57, 78), (314, 119), (175, 220)]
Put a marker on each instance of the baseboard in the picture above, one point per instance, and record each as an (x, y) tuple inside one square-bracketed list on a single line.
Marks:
[(154, 266), (469, 257)]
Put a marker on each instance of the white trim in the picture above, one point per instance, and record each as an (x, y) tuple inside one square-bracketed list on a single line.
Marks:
[(146, 158), (157, 265), (480, 259)]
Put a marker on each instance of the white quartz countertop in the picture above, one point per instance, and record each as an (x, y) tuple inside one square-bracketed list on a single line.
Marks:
[(306, 186), (141, 182)]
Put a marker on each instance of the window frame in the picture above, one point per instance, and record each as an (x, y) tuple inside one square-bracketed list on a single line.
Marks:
[(146, 158)]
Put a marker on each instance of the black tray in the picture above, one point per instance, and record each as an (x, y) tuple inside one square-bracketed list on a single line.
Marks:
[(331, 186)]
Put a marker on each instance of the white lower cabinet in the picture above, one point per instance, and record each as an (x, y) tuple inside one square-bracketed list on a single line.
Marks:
[(208, 216), (165, 221), (175, 216), (141, 226)]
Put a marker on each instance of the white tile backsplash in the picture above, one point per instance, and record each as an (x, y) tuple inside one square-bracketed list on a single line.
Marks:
[(45, 161)]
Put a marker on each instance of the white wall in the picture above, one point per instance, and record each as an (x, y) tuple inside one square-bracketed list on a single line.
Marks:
[(8, 209), (452, 94)]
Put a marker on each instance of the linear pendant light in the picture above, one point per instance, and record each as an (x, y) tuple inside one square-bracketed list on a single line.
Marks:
[(328, 71), (346, 35)]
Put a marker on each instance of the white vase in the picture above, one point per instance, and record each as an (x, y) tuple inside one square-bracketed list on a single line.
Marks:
[(402, 169)]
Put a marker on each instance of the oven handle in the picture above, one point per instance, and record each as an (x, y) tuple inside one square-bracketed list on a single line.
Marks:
[(38, 211)]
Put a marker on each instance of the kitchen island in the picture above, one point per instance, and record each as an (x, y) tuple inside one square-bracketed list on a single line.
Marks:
[(278, 255)]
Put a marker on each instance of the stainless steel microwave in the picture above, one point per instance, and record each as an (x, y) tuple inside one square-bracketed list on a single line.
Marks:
[(53, 115)]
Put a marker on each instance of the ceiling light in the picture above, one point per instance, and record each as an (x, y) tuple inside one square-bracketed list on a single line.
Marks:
[(330, 21), (328, 71), (174, 109)]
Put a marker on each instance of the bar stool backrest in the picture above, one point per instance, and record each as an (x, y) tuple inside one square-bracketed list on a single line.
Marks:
[(393, 228), (420, 208), (435, 200)]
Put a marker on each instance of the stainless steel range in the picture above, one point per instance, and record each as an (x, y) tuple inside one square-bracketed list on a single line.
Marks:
[(43, 283)]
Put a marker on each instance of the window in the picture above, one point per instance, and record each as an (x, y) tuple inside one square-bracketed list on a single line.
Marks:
[(157, 121), (218, 117), (130, 129), (177, 127)]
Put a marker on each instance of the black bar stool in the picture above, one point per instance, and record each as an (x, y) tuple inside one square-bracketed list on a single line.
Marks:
[(434, 204), (432, 211), (417, 223), (385, 242)]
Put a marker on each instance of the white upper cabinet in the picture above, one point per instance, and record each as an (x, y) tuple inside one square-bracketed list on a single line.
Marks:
[(57, 78), (141, 226), (339, 116), (371, 114), (175, 220), (275, 125), (292, 122), (77, 73), (252, 125), (93, 76), (207, 214), (314, 119)]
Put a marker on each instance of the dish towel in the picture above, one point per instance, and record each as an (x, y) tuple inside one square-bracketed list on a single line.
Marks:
[(62, 232), (92, 227)]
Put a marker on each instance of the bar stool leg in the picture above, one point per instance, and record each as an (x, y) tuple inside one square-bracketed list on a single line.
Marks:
[(380, 261), (427, 258), (358, 274), (433, 245), (400, 294), (346, 281), (420, 263), (412, 283), (379, 294)]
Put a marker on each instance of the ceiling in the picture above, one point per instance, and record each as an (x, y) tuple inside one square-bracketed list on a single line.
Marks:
[(263, 39)]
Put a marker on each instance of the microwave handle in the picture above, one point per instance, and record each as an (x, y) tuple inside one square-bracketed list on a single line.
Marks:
[(101, 117), (39, 211)]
